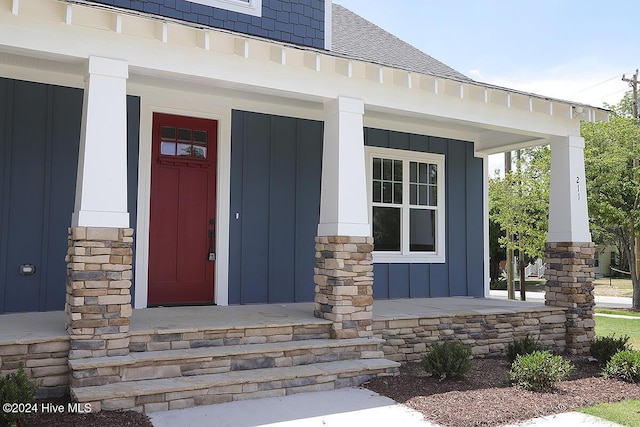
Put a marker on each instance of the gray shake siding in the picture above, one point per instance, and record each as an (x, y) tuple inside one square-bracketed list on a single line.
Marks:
[(293, 21)]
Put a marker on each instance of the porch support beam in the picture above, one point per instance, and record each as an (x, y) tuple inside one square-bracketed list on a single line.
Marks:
[(98, 304), (343, 196), (344, 265), (568, 218), (101, 188), (344, 285), (569, 250)]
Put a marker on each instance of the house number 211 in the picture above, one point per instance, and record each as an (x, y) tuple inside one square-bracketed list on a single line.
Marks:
[(578, 186)]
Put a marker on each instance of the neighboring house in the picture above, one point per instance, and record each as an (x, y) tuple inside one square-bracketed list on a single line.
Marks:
[(202, 129), (606, 256), (234, 152)]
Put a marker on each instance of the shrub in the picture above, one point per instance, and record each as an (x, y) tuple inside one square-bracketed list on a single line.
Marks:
[(624, 365), (15, 388), (527, 345), (603, 348), (447, 360), (539, 370)]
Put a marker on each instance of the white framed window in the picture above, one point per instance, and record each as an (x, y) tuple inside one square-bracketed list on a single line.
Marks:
[(248, 7), (406, 205)]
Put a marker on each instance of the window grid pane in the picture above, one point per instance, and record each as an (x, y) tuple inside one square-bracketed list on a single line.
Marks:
[(377, 191), (179, 142), (386, 228), (377, 169), (422, 230), (423, 179), (387, 181)]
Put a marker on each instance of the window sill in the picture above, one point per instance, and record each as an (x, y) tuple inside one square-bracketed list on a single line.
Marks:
[(393, 258)]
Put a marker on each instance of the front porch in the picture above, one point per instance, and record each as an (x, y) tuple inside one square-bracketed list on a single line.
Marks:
[(208, 354)]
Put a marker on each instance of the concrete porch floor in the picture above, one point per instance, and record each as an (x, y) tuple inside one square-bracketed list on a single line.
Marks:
[(26, 328)]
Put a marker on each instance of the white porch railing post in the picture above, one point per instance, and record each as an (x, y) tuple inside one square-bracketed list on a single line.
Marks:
[(569, 250)]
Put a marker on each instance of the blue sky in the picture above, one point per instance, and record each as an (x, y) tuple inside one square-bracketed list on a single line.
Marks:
[(573, 50)]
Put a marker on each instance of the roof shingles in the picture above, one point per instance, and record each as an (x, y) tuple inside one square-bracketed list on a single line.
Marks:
[(355, 37)]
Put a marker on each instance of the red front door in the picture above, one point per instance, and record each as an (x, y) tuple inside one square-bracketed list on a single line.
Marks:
[(182, 218)]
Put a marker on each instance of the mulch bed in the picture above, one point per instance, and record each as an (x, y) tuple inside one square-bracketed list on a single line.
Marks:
[(98, 419), (484, 397)]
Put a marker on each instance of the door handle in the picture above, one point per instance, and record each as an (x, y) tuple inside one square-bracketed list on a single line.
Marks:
[(212, 253)]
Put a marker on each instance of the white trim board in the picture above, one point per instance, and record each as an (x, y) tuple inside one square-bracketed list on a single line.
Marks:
[(248, 7)]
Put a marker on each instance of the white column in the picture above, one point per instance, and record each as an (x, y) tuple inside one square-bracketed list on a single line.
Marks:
[(485, 231), (568, 217), (101, 188), (343, 200)]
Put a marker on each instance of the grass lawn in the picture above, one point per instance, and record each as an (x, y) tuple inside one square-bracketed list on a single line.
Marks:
[(611, 325), (613, 287), (626, 412)]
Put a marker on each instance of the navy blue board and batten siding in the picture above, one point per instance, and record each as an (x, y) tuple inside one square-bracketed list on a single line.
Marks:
[(275, 192), (275, 207), (39, 140), (463, 272), (293, 21)]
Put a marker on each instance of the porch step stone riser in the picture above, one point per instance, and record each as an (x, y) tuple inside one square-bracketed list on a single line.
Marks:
[(217, 338), (114, 375), (178, 394), (171, 364)]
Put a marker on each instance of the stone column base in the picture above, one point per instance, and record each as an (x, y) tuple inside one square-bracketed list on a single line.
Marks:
[(569, 284), (98, 305), (344, 284)]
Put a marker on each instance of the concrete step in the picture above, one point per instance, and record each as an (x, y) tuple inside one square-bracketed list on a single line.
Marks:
[(182, 392), (209, 360)]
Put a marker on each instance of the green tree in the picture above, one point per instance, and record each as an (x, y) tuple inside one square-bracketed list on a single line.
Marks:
[(496, 251), (613, 184), (519, 203), (624, 108)]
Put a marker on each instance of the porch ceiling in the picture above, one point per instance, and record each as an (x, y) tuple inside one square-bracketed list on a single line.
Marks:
[(70, 72), (488, 139)]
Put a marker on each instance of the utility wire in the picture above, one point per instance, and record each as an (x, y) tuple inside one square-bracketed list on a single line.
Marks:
[(617, 76)]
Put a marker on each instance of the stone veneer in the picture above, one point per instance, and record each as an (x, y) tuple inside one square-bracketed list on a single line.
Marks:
[(569, 284), (408, 338), (344, 284), (44, 360), (98, 306)]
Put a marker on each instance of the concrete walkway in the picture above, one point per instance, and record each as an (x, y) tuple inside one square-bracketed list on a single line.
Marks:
[(347, 407), (601, 302), (617, 316), (343, 407)]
